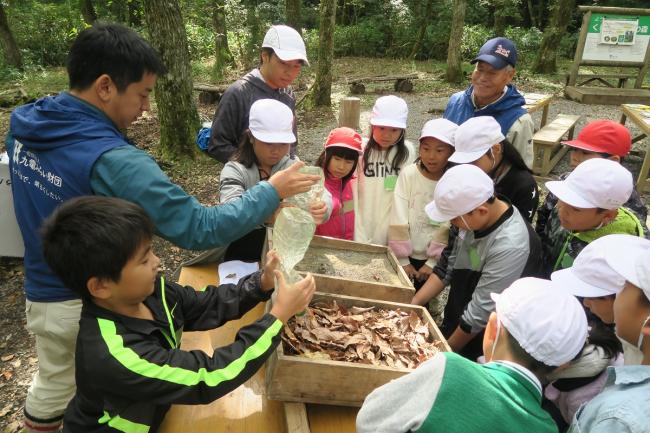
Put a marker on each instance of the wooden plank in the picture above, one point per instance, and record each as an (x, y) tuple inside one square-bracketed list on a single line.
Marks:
[(332, 419), (379, 78), (604, 95), (387, 291), (536, 101), (614, 10), (350, 112), (644, 69), (547, 149), (577, 58), (295, 415), (322, 381), (244, 410), (643, 183), (554, 131)]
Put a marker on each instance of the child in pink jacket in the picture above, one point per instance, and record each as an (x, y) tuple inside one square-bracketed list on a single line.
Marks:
[(339, 161)]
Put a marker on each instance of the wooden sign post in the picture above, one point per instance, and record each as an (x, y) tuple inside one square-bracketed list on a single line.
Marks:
[(611, 36)]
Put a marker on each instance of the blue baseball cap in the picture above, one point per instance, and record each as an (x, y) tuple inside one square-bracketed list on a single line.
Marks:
[(498, 52)]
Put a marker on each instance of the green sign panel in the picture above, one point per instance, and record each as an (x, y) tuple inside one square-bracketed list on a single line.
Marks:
[(643, 29)]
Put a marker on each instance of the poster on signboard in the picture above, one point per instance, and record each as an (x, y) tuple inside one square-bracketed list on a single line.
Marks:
[(618, 32), (633, 51)]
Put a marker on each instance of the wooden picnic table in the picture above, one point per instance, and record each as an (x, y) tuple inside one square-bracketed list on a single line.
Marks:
[(640, 116), (536, 102), (246, 409)]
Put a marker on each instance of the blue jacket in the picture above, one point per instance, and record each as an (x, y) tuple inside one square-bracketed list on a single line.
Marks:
[(506, 110), (62, 147)]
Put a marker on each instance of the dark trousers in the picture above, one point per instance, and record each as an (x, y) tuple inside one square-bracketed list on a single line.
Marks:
[(247, 248)]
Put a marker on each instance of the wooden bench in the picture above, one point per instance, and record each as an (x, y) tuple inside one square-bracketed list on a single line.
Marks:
[(546, 143), (602, 78), (209, 94), (402, 83)]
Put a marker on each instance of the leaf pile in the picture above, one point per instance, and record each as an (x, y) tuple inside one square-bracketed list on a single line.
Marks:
[(376, 336)]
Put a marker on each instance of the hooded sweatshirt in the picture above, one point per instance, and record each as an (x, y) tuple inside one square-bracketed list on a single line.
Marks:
[(50, 162), (516, 124), (341, 223), (231, 116), (62, 147)]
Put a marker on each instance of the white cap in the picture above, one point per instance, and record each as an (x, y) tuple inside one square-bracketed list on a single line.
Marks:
[(591, 276), (390, 111), (631, 258), (460, 190), (595, 183), (547, 322), (271, 121), (440, 129), (474, 138), (286, 43)]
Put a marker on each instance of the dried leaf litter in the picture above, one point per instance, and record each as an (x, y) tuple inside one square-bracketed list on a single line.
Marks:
[(355, 265), (377, 336)]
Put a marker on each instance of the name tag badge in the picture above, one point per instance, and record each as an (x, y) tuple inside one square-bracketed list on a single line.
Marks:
[(389, 182)]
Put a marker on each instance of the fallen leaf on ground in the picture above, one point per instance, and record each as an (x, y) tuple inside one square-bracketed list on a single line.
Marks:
[(368, 335)]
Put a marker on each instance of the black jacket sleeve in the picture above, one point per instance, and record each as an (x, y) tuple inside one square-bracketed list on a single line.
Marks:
[(229, 122), (143, 369)]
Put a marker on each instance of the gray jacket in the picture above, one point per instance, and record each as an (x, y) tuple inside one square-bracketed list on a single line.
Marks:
[(236, 178), (231, 115)]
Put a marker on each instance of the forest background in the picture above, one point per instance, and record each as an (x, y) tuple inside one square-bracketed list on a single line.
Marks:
[(216, 41)]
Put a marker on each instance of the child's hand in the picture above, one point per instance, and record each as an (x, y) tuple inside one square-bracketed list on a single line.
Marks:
[(267, 278), (424, 272), (318, 211), (290, 181), (410, 271), (294, 298)]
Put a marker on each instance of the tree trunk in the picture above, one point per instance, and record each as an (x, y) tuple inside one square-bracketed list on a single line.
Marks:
[(293, 14), (321, 91), (531, 14), (120, 9), (135, 13), (179, 119), (424, 21), (499, 23), (454, 73), (222, 55), (88, 11), (561, 12), (8, 43), (255, 36)]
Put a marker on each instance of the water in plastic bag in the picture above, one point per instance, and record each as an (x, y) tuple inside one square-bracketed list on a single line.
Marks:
[(293, 231), (315, 194)]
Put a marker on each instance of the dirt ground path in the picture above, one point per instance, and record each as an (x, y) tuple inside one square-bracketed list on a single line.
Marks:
[(17, 355)]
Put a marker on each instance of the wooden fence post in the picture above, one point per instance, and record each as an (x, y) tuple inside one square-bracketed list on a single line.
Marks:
[(350, 112)]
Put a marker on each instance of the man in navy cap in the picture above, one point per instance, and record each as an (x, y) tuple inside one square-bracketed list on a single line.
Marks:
[(492, 94)]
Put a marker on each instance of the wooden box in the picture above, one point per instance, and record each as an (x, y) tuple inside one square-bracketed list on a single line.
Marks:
[(392, 285), (301, 379)]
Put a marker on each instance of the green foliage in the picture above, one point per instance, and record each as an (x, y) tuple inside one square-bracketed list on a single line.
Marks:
[(527, 40), (44, 31), (200, 41)]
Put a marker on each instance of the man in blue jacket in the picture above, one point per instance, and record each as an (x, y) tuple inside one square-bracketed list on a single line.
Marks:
[(73, 144), (493, 94)]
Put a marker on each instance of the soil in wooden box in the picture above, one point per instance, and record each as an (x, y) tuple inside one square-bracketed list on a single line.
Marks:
[(372, 335), (354, 265)]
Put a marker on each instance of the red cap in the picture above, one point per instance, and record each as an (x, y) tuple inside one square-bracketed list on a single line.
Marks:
[(344, 137), (603, 136)]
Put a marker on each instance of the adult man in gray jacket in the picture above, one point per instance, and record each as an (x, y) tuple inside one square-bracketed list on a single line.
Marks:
[(281, 60)]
